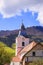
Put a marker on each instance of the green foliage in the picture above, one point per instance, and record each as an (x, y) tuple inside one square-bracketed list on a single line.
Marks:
[(14, 45), (6, 53), (2, 44)]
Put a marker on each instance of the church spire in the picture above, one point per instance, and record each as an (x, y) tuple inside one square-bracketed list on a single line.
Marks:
[(22, 26)]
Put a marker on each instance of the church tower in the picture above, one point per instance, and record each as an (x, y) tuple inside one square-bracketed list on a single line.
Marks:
[(22, 40)]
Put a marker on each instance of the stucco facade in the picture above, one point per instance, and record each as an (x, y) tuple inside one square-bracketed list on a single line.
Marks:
[(19, 41), (38, 53)]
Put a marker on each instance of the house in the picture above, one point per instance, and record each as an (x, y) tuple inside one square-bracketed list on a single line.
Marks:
[(26, 52)]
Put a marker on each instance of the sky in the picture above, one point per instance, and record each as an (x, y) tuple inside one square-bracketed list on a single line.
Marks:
[(15, 12)]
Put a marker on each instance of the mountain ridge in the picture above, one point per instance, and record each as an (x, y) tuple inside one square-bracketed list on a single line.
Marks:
[(34, 30), (34, 33)]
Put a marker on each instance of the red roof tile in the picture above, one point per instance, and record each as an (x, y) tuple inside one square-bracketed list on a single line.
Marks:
[(16, 59)]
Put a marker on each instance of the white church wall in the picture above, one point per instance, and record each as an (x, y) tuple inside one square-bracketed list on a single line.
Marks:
[(19, 41)]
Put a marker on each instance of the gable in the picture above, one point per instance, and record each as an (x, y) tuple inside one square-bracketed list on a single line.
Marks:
[(38, 49)]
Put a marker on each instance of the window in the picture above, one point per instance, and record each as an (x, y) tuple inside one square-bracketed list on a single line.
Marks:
[(23, 44), (33, 53), (27, 59), (42, 53)]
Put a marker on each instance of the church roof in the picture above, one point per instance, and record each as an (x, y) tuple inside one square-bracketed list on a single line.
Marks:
[(23, 31), (22, 27)]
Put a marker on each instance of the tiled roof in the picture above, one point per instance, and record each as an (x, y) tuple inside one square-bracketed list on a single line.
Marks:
[(16, 59)]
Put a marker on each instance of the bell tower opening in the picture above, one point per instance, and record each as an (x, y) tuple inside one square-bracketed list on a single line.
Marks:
[(23, 43)]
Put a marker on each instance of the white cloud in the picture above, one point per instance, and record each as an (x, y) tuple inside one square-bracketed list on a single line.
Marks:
[(9, 8)]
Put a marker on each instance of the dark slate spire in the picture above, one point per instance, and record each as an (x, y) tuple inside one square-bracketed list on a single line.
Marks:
[(22, 31), (22, 27)]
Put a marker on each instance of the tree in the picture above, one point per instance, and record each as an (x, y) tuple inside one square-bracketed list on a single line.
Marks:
[(6, 53), (14, 46)]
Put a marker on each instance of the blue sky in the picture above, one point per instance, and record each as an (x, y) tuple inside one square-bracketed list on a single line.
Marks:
[(13, 11), (15, 22)]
